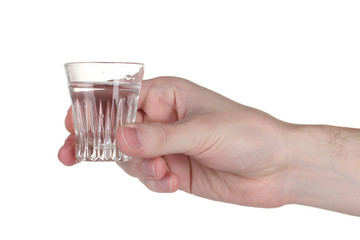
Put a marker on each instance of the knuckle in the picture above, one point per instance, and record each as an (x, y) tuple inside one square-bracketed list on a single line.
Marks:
[(170, 82), (149, 184), (130, 167), (163, 134)]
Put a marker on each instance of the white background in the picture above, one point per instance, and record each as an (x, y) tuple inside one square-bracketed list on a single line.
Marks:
[(297, 60)]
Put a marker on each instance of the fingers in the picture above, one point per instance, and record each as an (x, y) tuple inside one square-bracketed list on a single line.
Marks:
[(169, 183), (66, 153), (153, 173), (69, 124), (145, 168)]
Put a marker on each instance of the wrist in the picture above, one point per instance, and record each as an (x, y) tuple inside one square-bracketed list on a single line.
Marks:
[(323, 168)]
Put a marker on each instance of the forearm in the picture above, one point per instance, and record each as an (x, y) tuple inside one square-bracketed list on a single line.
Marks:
[(324, 168)]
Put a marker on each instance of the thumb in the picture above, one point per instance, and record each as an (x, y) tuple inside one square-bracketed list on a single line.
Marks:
[(149, 140)]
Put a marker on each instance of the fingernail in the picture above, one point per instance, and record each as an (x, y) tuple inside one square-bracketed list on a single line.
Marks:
[(166, 183), (131, 137), (148, 167)]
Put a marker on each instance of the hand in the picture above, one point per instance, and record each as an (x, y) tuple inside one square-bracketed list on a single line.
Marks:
[(190, 138)]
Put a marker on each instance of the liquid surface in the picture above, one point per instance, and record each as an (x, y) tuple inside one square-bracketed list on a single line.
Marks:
[(98, 110)]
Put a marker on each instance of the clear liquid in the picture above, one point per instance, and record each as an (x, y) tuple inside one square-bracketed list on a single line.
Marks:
[(98, 110)]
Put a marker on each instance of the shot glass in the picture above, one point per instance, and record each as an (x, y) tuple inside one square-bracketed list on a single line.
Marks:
[(104, 95)]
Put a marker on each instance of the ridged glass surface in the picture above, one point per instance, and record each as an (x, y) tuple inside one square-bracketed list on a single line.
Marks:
[(98, 110)]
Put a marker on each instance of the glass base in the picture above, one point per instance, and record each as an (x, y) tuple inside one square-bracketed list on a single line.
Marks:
[(92, 154)]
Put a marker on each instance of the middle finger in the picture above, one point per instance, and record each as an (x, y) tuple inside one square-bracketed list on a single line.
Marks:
[(154, 168)]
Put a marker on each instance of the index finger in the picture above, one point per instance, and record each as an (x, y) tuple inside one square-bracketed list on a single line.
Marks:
[(157, 100)]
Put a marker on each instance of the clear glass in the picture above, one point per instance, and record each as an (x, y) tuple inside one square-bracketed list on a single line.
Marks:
[(104, 95)]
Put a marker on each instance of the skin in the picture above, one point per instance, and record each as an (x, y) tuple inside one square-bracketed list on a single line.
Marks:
[(189, 138)]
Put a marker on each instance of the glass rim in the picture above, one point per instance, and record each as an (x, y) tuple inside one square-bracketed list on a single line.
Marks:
[(109, 63)]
